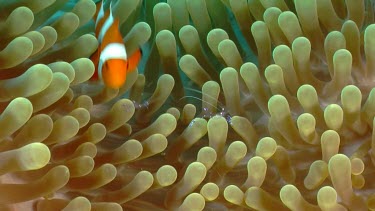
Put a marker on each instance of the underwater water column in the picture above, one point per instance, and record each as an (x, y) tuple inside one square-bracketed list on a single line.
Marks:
[(237, 104)]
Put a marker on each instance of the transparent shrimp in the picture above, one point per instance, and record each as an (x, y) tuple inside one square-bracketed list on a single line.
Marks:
[(206, 113)]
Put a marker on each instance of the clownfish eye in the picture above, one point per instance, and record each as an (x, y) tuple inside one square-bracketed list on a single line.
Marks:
[(106, 66)]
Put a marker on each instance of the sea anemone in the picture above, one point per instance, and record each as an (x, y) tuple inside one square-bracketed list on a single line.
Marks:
[(237, 104)]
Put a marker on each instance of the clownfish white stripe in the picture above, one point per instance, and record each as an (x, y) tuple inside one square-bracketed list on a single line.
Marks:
[(100, 15), (100, 67), (106, 25), (111, 51)]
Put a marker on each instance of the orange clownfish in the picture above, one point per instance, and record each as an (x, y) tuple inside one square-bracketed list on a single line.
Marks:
[(111, 61)]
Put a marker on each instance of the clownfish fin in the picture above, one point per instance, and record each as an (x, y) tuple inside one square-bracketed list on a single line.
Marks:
[(95, 59), (134, 59)]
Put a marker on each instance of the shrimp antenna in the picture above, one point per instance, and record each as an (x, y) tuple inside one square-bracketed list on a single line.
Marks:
[(197, 98), (222, 107)]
